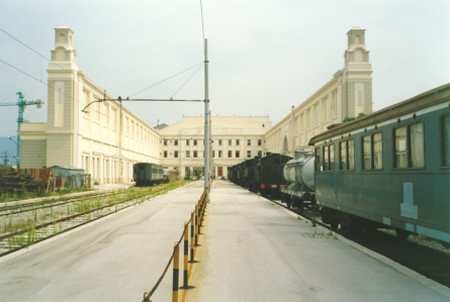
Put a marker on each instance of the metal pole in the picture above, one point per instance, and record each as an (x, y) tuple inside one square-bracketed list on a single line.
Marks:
[(21, 107), (207, 139)]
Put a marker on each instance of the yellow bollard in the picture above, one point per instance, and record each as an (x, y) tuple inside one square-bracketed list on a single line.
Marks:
[(185, 256), (192, 238), (176, 272)]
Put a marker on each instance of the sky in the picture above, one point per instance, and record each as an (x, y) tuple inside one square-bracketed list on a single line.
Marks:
[(265, 56)]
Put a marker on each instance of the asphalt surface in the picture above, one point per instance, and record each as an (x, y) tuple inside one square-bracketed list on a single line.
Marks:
[(114, 259), (254, 250)]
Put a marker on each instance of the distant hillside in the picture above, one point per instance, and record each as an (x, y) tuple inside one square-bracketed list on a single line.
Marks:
[(9, 147)]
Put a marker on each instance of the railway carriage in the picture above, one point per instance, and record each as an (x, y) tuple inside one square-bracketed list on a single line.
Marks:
[(147, 174), (390, 168)]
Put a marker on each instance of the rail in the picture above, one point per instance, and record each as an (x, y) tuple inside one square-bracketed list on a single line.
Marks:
[(24, 227), (190, 238)]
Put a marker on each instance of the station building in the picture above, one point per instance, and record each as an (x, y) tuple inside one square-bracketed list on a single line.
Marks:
[(347, 95), (234, 139), (107, 139)]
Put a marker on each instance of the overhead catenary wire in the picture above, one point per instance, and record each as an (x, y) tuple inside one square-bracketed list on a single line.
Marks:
[(193, 74), (164, 80)]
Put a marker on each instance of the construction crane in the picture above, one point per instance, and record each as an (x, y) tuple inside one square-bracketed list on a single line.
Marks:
[(21, 103)]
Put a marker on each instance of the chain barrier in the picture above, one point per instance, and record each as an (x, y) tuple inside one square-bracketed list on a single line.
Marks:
[(190, 238)]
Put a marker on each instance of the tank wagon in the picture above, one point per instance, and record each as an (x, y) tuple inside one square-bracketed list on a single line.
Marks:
[(299, 175), (390, 168), (147, 174)]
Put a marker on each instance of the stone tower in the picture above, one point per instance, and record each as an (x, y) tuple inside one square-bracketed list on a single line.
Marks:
[(62, 101), (357, 76)]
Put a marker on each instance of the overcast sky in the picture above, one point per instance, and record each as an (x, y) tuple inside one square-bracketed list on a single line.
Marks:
[(265, 55)]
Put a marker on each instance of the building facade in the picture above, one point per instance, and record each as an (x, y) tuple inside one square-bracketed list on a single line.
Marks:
[(105, 140), (234, 139), (347, 95)]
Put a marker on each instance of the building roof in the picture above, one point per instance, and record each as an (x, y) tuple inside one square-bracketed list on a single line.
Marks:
[(221, 125)]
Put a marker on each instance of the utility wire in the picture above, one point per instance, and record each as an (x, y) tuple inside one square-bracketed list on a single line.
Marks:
[(23, 72), (40, 54), (164, 80), (193, 74)]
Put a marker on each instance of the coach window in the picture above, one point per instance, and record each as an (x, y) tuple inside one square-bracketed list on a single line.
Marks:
[(343, 155), (319, 157), (331, 164), (446, 141), (377, 151), (325, 158), (351, 154), (417, 145), (401, 154), (367, 152)]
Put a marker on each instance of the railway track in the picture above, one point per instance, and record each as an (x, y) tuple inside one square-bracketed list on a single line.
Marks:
[(25, 224), (418, 254)]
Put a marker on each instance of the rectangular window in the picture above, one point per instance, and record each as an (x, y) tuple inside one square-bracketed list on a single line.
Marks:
[(331, 165), (165, 142), (377, 151), (195, 154), (318, 160), (237, 154), (188, 154), (220, 142), (259, 142), (351, 154), (237, 142), (249, 153), (175, 142), (343, 155), (220, 153), (230, 153), (229, 142), (446, 146), (175, 154), (213, 154), (165, 154), (249, 142), (187, 142), (417, 145), (325, 158), (401, 154), (195, 142), (367, 152)]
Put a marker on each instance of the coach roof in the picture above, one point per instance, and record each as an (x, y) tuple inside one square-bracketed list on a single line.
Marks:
[(426, 99)]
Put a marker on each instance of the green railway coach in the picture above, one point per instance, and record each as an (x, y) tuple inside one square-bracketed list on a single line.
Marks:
[(390, 168)]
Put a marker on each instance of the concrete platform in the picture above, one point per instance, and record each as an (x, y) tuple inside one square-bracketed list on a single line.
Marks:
[(114, 259), (253, 250)]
